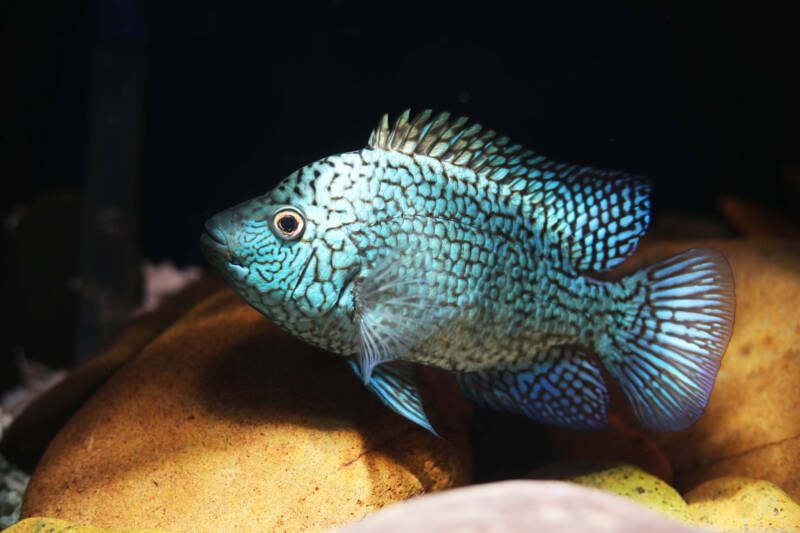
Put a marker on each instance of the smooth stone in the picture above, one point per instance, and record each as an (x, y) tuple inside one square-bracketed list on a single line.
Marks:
[(224, 423), (511, 506)]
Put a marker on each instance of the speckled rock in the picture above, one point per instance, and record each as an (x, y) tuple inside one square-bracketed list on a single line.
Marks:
[(224, 423), (732, 504), (637, 485), (751, 426), (742, 504), (518, 506)]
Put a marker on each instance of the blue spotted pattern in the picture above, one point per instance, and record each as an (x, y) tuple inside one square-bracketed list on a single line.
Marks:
[(443, 244)]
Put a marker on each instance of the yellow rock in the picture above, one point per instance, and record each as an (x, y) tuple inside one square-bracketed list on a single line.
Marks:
[(54, 525), (751, 426), (731, 503), (636, 484), (743, 504), (223, 423)]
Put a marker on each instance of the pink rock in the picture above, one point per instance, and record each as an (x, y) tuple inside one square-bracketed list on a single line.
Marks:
[(510, 506)]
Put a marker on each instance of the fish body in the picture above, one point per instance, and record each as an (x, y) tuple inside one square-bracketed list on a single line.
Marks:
[(442, 244)]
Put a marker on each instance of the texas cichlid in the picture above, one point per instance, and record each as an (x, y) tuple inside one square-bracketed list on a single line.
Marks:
[(443, 244)]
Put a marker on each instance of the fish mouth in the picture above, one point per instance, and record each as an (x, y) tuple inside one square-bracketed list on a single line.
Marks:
[(215, 235), (217, 250)]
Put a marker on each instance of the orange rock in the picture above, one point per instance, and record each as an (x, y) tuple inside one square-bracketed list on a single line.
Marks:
[(751, 426), (224, 423)]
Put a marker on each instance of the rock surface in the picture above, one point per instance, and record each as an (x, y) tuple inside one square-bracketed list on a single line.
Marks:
[(751, 426), (224, 423), (541, 506)]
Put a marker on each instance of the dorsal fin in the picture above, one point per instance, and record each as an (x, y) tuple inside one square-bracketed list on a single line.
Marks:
[(448, 140), (596, 217), (593, 218)]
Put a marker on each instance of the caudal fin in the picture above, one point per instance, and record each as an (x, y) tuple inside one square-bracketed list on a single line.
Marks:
[(669, 337)]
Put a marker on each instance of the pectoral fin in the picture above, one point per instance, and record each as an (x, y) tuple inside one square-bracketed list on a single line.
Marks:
[(396, 309)]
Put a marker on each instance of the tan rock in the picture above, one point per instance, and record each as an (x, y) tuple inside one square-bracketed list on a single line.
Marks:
[(224, 423), (751, 426)]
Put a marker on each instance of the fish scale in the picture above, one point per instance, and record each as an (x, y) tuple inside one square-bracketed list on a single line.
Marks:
[(443, 244), (513, 309)]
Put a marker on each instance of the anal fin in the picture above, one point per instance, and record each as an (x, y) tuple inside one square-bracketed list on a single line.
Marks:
[(564, 388)]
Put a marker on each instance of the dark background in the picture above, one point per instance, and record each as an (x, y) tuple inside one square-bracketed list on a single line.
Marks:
[(202, 104)]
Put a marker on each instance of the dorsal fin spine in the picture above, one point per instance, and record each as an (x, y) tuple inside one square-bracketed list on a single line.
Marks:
[(380, 134)]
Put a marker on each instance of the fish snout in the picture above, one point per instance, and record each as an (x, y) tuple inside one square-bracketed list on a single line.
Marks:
[(215, 234), (215, 239)]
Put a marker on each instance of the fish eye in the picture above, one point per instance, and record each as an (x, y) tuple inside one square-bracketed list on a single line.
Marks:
[(288, 224)]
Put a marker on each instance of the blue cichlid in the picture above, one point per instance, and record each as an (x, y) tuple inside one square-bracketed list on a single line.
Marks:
[(443, 244)]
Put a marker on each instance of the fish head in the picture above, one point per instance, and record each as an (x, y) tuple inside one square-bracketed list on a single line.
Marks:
[(287, 252), (254, 246)]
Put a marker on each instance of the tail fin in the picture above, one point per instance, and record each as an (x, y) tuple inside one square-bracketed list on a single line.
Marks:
[(669, 337)]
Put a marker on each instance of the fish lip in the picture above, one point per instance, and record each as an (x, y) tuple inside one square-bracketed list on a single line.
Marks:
[(215, 242), (216, 235)]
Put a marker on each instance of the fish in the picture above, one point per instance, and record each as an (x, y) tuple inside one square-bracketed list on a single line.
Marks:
[(442, 243)]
